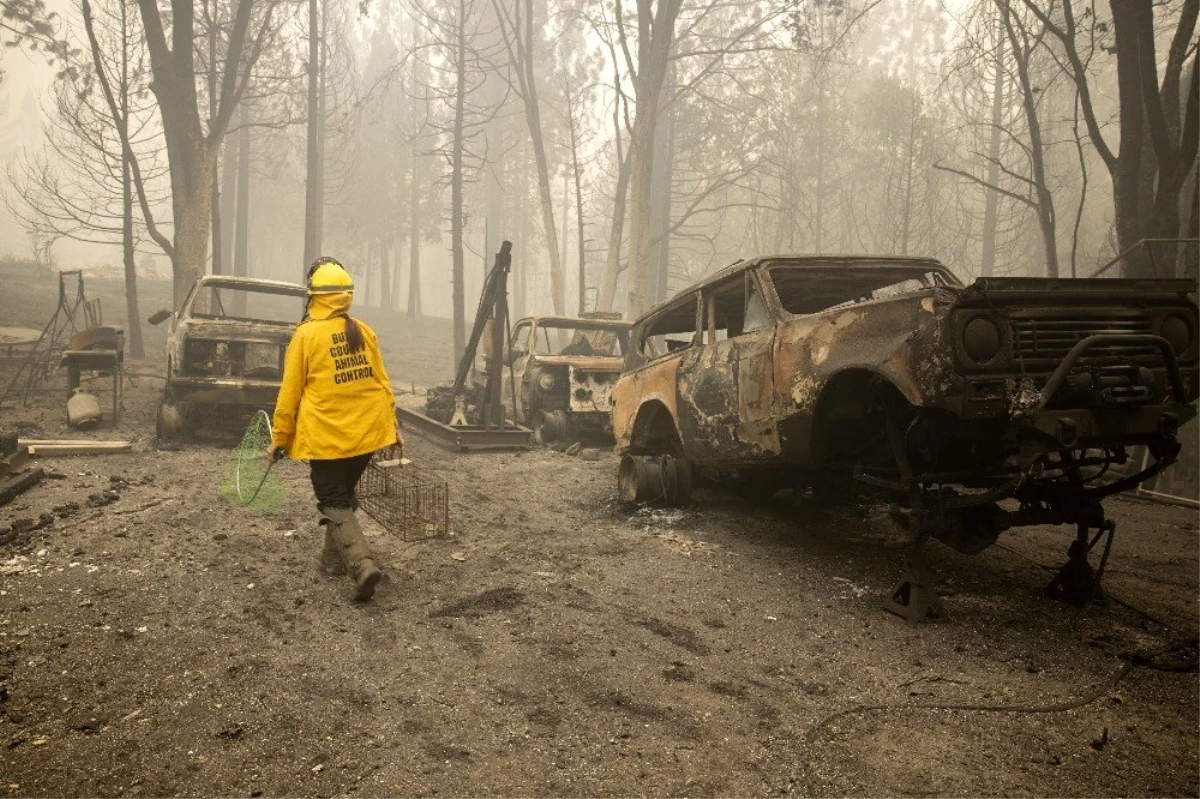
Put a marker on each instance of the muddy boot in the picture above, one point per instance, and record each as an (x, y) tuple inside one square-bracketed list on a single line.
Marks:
[(355, 554), (330, 564)]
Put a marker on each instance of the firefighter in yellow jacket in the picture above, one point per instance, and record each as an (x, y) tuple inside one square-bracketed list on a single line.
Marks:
[(335, 409)]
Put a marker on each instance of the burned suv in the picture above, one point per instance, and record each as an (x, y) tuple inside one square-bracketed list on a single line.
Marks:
[(225, 349), (564, 370), (885, 372)]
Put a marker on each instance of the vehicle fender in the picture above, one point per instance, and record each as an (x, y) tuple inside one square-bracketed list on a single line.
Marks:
[(643, 402), (900, 341)]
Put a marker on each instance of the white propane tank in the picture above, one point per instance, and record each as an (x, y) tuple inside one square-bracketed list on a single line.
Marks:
[(83, 410)]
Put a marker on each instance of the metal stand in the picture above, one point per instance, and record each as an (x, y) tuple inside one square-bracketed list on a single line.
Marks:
[(41, 358), (492, 430), (915, 598), (1076, 582)]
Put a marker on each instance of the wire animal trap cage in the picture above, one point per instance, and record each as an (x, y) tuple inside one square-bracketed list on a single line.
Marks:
[(405, 499)]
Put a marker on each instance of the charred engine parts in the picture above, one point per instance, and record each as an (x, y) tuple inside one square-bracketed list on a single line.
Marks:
[(1050, 491)]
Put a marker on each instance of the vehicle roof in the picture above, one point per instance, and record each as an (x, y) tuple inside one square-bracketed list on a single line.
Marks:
[(801, 259), (574, 321), (253, 283)]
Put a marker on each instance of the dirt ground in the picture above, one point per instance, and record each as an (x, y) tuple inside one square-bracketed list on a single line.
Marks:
[(157, 641)]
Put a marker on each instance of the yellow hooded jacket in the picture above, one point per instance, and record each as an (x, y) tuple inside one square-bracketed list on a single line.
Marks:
[(332, 403)]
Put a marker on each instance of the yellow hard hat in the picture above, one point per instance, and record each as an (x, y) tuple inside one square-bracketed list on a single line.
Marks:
[(328, 276)]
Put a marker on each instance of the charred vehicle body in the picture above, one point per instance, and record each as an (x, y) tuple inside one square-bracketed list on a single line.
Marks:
[(563, 371), (225, 348), (844, 372)]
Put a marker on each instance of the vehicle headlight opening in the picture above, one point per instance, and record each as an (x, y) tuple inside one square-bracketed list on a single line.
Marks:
[(1177, 331), (546, 381), (981, 339)]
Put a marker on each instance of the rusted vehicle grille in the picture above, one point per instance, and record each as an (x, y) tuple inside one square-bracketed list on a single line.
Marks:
[(1044, 340)]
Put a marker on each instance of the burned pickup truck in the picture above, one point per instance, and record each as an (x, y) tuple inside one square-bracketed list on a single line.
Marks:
[(563, 371), (225, 349), (839, 373)]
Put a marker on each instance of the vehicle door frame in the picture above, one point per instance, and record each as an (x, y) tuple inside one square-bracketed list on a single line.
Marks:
[(518, 369), (726, 401)]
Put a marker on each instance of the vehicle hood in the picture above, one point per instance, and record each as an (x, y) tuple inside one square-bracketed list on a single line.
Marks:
[(1059, 291), (591, 363)]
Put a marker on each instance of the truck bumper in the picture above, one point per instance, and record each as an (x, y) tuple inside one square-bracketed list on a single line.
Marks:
[(1103, 427), (223, 391)]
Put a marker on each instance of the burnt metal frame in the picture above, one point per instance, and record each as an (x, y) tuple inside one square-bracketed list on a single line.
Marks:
[(36, 366), (495, 432)]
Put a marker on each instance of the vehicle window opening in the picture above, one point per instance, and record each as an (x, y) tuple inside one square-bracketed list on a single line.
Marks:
[(674, 330), (217, 301), (520, 339), (805, 290), (231, 303), (577, 339), (757, 315), (733, 308)]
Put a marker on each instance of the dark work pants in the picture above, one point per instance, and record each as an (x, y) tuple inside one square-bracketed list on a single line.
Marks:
[(334, 480)]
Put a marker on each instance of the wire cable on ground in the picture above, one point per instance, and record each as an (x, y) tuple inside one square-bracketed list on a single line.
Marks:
[(1187, 660)]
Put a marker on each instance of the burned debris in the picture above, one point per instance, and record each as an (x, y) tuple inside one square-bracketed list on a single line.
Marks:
[(74, 339)]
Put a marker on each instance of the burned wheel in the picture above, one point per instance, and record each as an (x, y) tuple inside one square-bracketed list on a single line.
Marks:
[(549, 427), (169, 424), (654, 478)]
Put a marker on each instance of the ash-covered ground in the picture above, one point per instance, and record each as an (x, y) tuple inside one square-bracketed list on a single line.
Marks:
[(156, 640)]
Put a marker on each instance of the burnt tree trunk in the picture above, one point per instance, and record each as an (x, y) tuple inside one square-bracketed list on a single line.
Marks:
[(312, 187), (456, 186), (656, 37), (134, 323), (991, 208), (413, 310), (385, 274), (241, 241)]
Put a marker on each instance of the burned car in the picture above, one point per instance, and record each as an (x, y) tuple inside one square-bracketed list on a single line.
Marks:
[(225, 349), (889, 374), (563, 371)]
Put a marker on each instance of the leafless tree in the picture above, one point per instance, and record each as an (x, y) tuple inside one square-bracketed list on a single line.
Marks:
[(460, 56), (103, 150), (1159, 124), (193, 146)]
